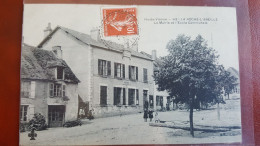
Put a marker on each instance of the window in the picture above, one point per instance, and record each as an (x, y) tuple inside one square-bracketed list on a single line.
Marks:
[(131, 96), (25, 89), (103, 95), (119, 70), (23, 112), (145, 75), (57, 90), (151, 100), (159, 100), (137, 97), (119, 93), (133, 73), (104, 67), (60, 73)]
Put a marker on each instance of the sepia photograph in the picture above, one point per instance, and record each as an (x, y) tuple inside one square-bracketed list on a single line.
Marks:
[(121, 74)]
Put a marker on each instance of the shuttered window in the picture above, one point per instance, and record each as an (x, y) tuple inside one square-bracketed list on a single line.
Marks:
[(57, 90), (103, 95), (104, 67), (133, 73)]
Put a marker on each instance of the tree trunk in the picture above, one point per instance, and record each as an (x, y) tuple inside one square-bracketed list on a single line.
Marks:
[(218, 112), (228, 95), (191, 116)]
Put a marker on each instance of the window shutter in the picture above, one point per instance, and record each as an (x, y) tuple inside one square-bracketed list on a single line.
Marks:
[(123, 71), (115, 96), (136, 73), (99, 66), (51, 89), (32, 89), (109, 68), (63, 90), (129, 72), (137, 97)]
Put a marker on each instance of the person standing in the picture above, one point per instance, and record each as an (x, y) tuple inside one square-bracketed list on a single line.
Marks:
[(145, 115), (150, 113)]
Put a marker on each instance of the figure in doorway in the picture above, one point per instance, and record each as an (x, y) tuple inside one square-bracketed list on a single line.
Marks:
[(145, 115)]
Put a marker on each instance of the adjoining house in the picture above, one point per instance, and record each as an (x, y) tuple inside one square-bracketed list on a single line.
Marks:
[(162, 101), (233, 72), (114, 79), (48, 87)]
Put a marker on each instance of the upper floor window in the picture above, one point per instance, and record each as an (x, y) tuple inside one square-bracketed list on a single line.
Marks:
[(60, 73), (119, 70), (57, 90), (145, 77), (104, 67), (133, 73), (25, 89)]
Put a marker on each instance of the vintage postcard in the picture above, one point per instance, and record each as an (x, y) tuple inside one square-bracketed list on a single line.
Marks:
[(124, 74)]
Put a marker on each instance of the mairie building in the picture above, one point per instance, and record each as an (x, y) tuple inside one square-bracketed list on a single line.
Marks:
[(114, 80)]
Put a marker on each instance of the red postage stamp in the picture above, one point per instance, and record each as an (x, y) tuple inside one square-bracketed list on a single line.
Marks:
[(119, 21)]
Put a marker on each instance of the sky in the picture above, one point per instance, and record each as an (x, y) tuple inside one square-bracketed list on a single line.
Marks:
[(220, 30)]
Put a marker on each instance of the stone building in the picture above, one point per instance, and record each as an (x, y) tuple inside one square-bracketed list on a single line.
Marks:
[(114, 79), (48, 87)]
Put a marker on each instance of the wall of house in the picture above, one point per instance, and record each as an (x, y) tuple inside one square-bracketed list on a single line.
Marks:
[(78, 56), (41, 100), (110, 109), (164, 94), (38, 104)]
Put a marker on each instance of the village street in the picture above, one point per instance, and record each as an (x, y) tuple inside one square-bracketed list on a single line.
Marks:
[(131, 129)]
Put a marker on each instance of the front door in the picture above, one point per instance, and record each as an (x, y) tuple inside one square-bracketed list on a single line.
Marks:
[(56, 115)]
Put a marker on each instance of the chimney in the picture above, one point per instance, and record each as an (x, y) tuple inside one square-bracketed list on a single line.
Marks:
[(57, 51), (154, 54), (94, 33), (47, 30)]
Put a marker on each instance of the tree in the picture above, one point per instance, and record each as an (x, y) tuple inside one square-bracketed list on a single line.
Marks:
[(190, 71)]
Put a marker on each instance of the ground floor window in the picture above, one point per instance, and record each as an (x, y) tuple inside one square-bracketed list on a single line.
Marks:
[(131, 96), (119, 96), (159, 100), (23, 112), (103, 95)]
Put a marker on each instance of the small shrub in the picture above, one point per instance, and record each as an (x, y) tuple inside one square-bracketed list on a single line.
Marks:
[(38, 122)]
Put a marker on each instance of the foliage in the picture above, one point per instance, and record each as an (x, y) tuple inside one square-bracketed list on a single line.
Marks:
[(191, 72), (72, 123), (38, 122)]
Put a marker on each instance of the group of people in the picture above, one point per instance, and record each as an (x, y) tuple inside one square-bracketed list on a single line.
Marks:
[(149, 114)]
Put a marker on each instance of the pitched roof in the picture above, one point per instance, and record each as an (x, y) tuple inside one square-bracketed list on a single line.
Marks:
[(35, 64), (86, 39), (156, 63)]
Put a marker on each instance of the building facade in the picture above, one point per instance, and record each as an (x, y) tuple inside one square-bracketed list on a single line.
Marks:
[(114, 79), (48, 87)]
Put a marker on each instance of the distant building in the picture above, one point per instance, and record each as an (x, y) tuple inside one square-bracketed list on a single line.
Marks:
[(48, 87), (233, 72), (162, 99), (114, 79)]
